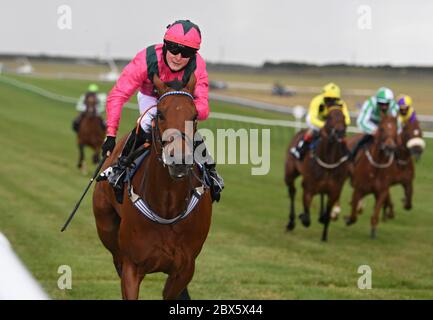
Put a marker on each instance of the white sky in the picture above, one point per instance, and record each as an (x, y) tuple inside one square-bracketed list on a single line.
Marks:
[(242, 31)]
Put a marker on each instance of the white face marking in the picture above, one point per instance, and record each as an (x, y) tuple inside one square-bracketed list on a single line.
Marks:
[(389, 126), (178, 108), (416, 132)]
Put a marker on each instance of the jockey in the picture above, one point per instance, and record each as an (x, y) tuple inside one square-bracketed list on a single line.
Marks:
[(316, 117), (406, 111), (371, 112), (81, 106), (174, 61)]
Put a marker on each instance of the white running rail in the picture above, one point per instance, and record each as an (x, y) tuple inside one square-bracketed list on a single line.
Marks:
[(16, 282)]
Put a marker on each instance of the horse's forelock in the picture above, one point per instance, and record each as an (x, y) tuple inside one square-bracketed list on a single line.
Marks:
[(335, 116), (174, 102)]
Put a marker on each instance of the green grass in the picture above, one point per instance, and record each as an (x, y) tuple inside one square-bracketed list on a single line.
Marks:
[(247, 255)]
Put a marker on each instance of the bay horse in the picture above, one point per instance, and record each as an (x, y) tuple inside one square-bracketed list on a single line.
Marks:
[(140, 246), (324, 171), (412, 146), (373, 170), (91, 131)]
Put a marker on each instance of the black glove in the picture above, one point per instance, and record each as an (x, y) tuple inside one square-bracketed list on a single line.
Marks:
[(108, 146)]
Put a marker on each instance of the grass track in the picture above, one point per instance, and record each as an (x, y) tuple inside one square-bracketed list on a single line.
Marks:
[(247, 255)]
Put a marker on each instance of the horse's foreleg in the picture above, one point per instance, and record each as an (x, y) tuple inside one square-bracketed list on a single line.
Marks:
[(322, 212), (292, 193), (176, 284), (408, 191), (335, 212), (80, 156), (380, 200), (356, 198), (388, 208), (184, 295), (96, 156), (305, 216), (130, 280), (332, 199), (107, 224)]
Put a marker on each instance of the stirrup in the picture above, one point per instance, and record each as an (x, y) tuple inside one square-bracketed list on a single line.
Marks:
[(295, 152), (217, 185)]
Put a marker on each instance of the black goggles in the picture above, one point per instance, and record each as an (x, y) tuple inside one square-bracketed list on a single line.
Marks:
[(175, 48)]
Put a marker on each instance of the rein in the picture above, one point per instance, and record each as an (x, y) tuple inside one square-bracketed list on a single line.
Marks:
[(402, 162), (379, 165), (334, 165), (195, 194)]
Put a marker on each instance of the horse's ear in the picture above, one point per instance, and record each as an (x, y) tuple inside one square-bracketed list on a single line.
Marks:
[(190, 86), (160, 86)]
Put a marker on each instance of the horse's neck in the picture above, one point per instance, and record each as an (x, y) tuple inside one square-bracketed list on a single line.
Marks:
[(166, 196), (329, 151), (376, 152), (403, 152)]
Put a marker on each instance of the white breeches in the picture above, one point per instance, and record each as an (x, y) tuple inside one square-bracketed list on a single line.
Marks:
[(146, 104), (310, 125)]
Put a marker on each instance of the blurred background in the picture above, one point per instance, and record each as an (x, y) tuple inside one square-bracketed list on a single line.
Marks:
[(265, 60)]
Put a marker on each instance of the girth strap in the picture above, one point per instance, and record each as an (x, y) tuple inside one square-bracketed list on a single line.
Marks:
[(144, 208)]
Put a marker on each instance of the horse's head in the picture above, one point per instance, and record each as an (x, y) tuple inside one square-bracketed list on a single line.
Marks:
[(174, 127), (386, 134), (412, 138), (335, 126), (90, 101)]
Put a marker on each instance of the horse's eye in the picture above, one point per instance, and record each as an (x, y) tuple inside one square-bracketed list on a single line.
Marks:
[(160, 115)]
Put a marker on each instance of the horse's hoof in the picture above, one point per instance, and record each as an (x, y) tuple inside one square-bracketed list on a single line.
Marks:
[(349, 221), (322, 219), (408, 206), (184, 295), (324, 239), (305, 219), (373, 233), (334, 216), (290, 226)]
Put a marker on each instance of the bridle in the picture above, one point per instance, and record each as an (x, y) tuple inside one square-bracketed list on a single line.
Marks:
[(332, 135), (156, 133), (382, 147)]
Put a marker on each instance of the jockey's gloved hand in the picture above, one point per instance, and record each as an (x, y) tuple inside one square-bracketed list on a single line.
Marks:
[(108, 146)]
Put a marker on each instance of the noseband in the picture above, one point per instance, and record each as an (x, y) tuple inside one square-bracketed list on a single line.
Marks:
[(156, 134)]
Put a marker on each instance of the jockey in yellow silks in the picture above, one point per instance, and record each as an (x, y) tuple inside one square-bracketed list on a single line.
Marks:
[(406, 112), (316, 117)]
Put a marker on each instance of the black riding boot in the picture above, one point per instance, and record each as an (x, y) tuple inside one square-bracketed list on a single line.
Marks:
[(76, 122), (363, 141), (131, 151), (216, 181), (300, 150)]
